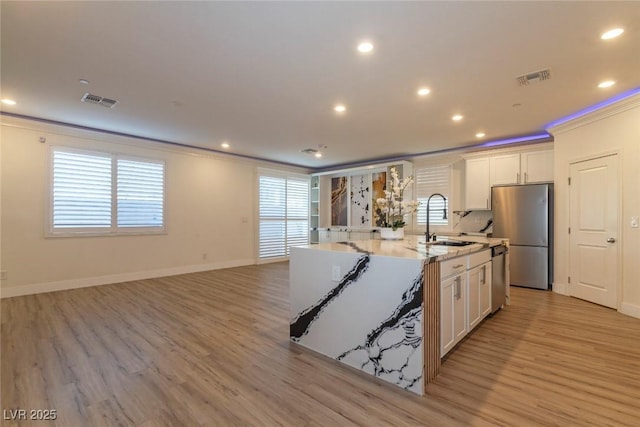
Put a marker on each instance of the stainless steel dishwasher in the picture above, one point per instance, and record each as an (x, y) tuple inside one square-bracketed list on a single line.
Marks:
[(498, 277)]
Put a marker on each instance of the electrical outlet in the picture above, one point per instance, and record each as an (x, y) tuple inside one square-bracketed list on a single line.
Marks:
[(634, 222), (335, 273), (244, 219), (3, 275)]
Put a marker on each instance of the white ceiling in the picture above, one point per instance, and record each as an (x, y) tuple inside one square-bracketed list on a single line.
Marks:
[(265, 75)]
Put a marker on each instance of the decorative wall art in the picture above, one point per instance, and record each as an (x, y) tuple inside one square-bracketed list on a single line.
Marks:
[(360, 201), (378, 185), (339, 201)]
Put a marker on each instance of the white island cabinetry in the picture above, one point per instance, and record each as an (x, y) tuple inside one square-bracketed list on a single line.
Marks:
[(478, 288), (453, 322)]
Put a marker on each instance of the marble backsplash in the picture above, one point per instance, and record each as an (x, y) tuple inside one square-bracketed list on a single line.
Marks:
[(472, 222)]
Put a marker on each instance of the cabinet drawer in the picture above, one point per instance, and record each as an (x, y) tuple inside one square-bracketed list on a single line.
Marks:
[(452, 266), (478, 258)]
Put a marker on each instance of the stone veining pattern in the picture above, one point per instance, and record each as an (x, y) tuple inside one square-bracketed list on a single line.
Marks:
[(301, 324), (360, 201), (389, 351), (391, 347)]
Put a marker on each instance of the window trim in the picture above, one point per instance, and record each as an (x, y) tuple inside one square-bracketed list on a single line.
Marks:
[(114, 230)]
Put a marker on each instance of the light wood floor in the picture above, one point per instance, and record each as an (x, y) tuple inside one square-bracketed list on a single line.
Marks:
[(212, 349)]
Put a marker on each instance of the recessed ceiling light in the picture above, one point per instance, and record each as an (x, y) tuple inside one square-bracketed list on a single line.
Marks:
[(225, 145), (605, 84), (456, 118), (7, 101), (612, 34), (318, 155), (84, 81), (365, 47), (424, 91), (340, 108), (480, 135)]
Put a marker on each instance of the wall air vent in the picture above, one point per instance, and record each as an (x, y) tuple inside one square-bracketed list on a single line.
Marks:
[(99, 100), (536, 76)]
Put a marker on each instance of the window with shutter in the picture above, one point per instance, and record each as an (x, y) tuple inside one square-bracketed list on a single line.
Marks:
[(430, 180), (284, 213), (140, 194), (81, 191), (101, 193)]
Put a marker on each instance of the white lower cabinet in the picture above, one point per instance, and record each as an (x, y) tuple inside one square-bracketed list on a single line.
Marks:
[(324, 236), (453, 310), (465, 296), (478, 294), (453, 322)]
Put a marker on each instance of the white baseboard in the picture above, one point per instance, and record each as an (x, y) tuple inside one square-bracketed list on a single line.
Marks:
[(630, 309), (560, 288), (38, 288)]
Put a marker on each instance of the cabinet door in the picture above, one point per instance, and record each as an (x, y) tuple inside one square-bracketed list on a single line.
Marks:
[(478, 295), (324, 236), (473, 296), (447, 297), (505, 169), (537, 166), (485, 290), (459, 307), (477, 184)]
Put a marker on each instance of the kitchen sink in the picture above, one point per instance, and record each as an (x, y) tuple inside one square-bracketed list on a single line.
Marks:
[(450, 243)]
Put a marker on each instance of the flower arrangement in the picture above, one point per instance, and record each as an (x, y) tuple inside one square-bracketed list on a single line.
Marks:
[(392, 207)]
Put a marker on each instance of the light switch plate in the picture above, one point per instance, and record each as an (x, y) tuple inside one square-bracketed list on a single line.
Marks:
[(634, 222)]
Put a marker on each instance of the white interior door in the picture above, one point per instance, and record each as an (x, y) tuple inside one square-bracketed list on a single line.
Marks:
[(594, 220)]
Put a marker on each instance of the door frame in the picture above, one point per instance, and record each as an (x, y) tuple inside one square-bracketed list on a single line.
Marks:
[(572, 161)]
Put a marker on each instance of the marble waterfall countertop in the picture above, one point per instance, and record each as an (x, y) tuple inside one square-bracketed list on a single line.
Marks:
[(412, 247)]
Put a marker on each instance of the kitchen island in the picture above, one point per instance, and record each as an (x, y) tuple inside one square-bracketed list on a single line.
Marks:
[(374, 304)]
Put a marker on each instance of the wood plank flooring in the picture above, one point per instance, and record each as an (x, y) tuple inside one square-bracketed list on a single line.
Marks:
[(212, 349)]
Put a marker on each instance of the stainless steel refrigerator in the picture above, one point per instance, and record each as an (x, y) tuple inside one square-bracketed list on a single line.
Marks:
[(524, 215)]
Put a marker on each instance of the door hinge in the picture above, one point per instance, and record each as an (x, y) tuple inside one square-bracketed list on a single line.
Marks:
[(569, 179), (568, 279)]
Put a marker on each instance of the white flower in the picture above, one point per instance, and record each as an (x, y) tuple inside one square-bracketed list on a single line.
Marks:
[(392, 207)]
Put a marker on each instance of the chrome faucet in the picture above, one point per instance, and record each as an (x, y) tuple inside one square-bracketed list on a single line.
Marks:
[(444, 215)]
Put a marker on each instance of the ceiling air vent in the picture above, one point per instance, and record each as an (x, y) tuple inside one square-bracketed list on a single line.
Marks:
[(536, 76), (99, 100)]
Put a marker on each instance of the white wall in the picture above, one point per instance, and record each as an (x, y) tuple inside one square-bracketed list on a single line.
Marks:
[(614, 129), (207, 197)]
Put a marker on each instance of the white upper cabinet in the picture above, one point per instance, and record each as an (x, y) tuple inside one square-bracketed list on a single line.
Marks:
[(505, 169), (477, 183), (482, 173), (537, 166)]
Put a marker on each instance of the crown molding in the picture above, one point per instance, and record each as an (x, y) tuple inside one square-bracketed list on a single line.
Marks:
[(590, 116)]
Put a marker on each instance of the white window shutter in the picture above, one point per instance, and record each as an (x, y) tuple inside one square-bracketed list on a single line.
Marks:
[(140, 194), (430, 180), (81, 191), (284, 213), (273, 208), (297, 212)]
